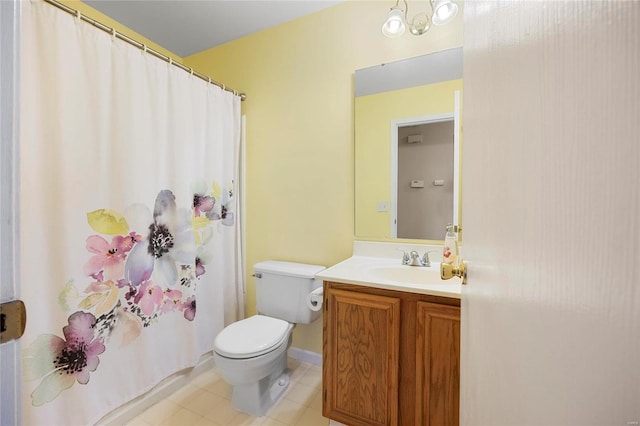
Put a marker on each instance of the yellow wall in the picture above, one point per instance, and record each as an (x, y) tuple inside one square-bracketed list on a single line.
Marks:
[(298, 77), (92, 13), (372, 151)]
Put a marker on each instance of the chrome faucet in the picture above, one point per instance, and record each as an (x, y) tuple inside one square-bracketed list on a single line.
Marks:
[(413, 259)]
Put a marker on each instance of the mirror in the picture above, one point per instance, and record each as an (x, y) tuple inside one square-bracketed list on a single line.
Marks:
[(407, 147)]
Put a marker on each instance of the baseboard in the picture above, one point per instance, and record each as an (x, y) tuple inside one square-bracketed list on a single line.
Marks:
[(305, 356), (125, 413)]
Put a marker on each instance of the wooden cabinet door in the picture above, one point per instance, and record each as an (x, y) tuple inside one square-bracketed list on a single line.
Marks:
[(360, 368), (438, 365)]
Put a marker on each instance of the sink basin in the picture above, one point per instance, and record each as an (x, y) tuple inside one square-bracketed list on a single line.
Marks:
[(405, 274), (390, 274)]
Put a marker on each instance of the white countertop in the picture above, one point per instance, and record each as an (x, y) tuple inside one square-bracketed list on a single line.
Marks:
[(378, 269)]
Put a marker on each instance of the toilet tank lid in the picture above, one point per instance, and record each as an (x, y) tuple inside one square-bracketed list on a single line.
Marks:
[(288, 268)]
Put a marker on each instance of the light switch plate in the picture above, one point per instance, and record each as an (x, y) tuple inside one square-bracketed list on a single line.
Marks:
[(383, 206)]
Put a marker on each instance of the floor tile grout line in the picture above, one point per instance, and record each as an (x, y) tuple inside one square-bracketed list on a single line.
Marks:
[(301, 368)]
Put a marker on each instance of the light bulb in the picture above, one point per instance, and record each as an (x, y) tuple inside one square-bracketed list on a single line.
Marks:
[(394, 25), (444, 11)]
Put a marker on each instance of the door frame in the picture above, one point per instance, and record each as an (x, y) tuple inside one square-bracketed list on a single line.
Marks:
[(416, 121), (10, 354)]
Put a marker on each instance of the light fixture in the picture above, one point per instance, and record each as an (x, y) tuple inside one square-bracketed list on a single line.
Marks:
[(394, 25), (442, 12)]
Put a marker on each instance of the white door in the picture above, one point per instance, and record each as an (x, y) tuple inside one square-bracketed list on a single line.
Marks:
[(551, 190), (10, 366)]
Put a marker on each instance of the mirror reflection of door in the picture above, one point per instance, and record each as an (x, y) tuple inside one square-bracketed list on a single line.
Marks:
[(425, 185)]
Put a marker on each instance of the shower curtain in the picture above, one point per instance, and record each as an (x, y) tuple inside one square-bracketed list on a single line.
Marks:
[(128, 218)]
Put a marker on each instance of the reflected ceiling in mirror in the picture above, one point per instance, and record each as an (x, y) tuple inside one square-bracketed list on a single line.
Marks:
[(419, 71), (423, 87)]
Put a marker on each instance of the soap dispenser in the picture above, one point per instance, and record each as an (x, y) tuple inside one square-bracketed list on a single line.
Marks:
[(450, 254)]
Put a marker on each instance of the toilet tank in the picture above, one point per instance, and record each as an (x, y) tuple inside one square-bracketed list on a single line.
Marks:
[(282, 289)]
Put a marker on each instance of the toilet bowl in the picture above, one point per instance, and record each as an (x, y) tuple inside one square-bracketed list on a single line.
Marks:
[(251, 354)]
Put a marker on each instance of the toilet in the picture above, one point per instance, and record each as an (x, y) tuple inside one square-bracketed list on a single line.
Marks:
[(251, 354)]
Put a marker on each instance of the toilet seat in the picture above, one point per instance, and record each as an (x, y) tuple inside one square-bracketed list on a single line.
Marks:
[(252, 337)]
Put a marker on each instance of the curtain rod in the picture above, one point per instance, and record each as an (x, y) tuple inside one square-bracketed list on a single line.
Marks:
[(142, 46)]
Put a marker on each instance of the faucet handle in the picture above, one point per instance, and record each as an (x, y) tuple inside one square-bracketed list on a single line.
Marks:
[(425, 258), (405, 257)]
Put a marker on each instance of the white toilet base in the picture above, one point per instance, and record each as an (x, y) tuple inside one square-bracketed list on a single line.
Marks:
[(257, 382), (258, 397)]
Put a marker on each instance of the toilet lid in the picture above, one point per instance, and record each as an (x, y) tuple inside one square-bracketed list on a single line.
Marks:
[(251, 337)]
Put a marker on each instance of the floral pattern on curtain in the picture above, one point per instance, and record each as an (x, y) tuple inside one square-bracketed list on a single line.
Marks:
[(128, 218)]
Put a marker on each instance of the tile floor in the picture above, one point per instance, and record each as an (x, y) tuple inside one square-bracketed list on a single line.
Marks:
[(207, 401)]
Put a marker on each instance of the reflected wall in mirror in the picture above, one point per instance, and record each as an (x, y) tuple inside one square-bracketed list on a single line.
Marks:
[(423, 177), (392, 100)]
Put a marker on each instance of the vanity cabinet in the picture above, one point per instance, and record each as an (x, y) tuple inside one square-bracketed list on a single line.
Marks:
[(390, 357), (437, 364)]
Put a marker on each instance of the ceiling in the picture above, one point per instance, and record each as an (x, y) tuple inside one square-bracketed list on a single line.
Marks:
[(185, 27)]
